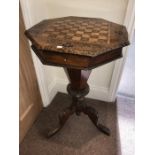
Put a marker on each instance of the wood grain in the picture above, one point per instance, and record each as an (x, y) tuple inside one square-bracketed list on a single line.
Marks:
[(78, 35), (77, 42), (29, 96)]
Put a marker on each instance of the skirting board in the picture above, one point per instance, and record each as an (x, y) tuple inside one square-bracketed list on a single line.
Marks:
[(59, 85)]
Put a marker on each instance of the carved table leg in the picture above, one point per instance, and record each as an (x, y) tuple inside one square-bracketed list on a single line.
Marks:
[(93, 115), (63, 117)]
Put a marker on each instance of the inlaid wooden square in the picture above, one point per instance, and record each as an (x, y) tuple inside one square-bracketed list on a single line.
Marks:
[(76, 38)]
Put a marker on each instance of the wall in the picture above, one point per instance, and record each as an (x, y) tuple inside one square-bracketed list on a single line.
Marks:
[(113, 10), (127, 83)]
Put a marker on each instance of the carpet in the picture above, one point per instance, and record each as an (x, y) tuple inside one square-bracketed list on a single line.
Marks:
[(78, 137)]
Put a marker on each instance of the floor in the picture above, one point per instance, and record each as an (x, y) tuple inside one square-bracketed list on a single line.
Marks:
[(79, 136)]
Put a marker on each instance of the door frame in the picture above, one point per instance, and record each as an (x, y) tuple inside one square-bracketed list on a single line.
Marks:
[(118, 67), (38, 66)]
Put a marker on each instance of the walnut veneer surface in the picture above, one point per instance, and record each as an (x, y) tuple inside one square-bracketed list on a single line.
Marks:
[(78, 35)]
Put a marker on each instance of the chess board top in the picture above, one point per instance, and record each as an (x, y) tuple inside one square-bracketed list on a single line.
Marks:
[(78, 35)]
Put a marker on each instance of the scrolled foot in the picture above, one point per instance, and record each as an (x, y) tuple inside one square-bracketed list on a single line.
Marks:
[(103, 129), (53, 132), (93, 115)]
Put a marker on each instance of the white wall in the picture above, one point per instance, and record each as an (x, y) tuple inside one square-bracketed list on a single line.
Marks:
[(113, 10), (127, 83)]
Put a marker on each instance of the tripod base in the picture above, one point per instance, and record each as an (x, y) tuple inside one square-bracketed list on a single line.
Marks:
[(78, 105)]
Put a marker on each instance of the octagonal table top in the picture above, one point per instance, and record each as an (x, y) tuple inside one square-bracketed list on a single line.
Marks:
[(78, 35)]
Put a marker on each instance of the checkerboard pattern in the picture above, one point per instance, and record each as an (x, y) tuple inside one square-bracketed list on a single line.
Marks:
[(75, 29), (78, 35)]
